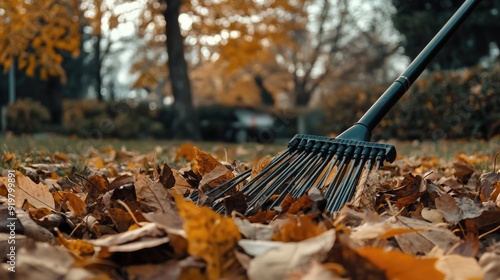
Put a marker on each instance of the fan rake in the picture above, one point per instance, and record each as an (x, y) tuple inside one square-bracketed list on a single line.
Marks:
[(333, 165)]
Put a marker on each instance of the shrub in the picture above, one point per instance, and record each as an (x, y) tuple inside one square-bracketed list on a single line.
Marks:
[(26, 116), (121, 119), (449, 104)]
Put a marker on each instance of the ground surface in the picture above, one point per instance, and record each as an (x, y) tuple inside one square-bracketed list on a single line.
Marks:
[(87, 208)]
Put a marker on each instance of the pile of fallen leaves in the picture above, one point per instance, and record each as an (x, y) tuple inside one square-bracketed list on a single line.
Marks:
[(123, 215)]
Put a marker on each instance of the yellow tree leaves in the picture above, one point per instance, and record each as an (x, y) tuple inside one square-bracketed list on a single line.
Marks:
[(210, 236), (35, 32), (232, 34)]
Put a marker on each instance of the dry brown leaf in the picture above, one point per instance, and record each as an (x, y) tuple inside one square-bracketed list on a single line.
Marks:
[(235, 202), (316, 271), (210, 236), (421, 243), (167, 178), (447, 205), (153, 194), (455, 210), (489, 263), (74, 203), (462, 170), (37, 260), (217, 176), (432, 215), (38, 195), (456, 267), (122, 180), (168, 270), (366, 190), (263, 216), (274, 260), (303, 203), (121, 219), (254, 231), (412, 188), (96, 185), (490, 186), (25, 224), (147, 236), (469, 246)]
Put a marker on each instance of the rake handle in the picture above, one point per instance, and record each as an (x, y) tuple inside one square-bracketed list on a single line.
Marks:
[(391, 96)]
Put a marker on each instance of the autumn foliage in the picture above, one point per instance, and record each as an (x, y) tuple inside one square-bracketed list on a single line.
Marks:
[(119, 215), (34, 33)]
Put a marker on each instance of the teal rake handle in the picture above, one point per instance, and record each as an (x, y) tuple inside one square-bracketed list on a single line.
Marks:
[(362, 129)]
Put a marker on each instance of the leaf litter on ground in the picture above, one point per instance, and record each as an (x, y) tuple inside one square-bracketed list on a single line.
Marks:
[(126, 215)]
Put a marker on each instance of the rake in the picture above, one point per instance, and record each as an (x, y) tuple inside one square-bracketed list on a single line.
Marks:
[(333, 165)]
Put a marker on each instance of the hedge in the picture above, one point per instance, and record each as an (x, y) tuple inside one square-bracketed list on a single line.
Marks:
[(449, 105)]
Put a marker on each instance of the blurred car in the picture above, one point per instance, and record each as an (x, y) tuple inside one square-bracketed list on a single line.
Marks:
[(239, 125)]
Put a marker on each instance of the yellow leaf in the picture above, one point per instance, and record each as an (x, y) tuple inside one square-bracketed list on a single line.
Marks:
[(210, 236), (7, 157), (78, 246)]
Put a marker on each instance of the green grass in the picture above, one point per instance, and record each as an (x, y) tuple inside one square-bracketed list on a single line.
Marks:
[(166, 150)]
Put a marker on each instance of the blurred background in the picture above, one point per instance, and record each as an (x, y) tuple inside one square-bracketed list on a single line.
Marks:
[(248, 70)]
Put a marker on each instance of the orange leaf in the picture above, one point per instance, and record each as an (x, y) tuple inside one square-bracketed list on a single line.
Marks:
[(399, 265), (185, 151), (203, 163), (210, 236), (7, 157), (78, 246), (298, 229), (73, 202)]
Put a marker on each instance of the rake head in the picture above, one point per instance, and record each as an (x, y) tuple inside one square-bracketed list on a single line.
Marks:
[(332, 165)]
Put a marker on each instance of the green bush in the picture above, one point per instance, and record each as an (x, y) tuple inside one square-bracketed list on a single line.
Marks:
[(120, 119), (26, 116), (440, 105)]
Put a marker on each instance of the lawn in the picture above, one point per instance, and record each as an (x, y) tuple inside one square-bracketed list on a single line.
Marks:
[(166, 150), (111, 209)]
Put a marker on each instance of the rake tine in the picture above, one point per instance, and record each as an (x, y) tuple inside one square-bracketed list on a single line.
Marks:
[(339, 188), (347, 186), (266, 193), (284, 168), (293, 184), (273, 163), (297, 165), (336, 155), (230, 184), (340, 171), (310, 181)]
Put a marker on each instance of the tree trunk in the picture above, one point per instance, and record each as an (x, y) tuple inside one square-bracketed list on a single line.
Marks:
[(301, 95), (185, 121), (55, 100), (98, 65)]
